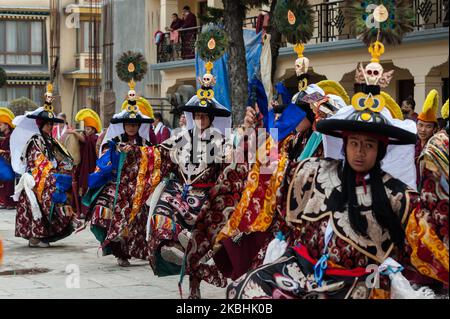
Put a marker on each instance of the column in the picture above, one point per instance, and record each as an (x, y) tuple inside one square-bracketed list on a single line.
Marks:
[(215, 3), (422, 86), (168, 7)]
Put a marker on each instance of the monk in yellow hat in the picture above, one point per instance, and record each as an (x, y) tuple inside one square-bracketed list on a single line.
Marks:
[(88, 151), (6, 128), (427, 124)]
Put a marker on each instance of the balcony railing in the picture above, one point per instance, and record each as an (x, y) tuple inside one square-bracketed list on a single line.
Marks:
[(330, 24)]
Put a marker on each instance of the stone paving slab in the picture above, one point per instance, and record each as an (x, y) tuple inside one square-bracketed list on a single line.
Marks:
[(100, 277)]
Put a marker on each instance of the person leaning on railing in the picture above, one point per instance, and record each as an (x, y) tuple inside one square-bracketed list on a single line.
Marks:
[(188, 36)]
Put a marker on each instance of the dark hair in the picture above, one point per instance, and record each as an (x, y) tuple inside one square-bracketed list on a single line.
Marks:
[(158, 116), (210, 116), (410, 101), (187, 8), (175, 14), (381, 206)]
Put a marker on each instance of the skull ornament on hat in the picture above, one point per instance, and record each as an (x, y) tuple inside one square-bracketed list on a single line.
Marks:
[(373, 73), (301, 67), (132, 95), (49, 98), (208, 81)]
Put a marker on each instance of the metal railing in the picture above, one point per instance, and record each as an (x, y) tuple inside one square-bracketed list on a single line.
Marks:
[(180, 45), (330, 24)]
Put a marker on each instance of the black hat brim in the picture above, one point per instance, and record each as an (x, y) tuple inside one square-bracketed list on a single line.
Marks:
[(396, 135), (132, 120), (212, 110), (40, 116)]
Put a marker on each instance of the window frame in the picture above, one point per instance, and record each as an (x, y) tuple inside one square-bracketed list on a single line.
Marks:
[(29, 54)]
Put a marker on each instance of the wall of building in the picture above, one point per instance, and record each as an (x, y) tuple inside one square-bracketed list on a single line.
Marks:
[(130, 33), (68, 49)]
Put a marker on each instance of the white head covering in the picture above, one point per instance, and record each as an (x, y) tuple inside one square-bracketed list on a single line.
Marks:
[(25, 129), (117, 129), (399, 159), (220, 123)]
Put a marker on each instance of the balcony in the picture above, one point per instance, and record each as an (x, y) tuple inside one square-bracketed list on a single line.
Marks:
[(330, 24)]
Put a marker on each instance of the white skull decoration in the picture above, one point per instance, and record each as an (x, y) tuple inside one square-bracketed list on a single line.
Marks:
[(48, 97), (374, 72), (208, 80), (131, 95), (301, 66)]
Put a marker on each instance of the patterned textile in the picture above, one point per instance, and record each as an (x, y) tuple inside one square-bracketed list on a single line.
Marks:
[(292, 277), (190, 175), (255, 210), (224, 197), (418, 151), (427, 230), (56, 220), (311, 205), (122, 228)]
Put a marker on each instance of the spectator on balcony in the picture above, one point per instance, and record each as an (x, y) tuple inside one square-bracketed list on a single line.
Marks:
[(176, 24), (162, 132), (188, 37), (408, 106)]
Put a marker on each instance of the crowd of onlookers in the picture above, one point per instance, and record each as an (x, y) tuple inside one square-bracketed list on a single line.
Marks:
[(182, 32)]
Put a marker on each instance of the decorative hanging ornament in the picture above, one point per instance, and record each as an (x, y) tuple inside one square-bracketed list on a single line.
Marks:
[(212, 44), (131, 67), (363, 102), (291, 18), (380, 14)]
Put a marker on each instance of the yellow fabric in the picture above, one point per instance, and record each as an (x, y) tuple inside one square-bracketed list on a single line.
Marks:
[(333, 87), (444, 110), (144, 107), (140, 184), (6, 116), (265, 216), (42, 167), (90, 118), (420, 234), (430, 107), (144, 177), (156, 176), (392, 106)]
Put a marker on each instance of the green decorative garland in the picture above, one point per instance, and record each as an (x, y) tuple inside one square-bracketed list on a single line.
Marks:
[(212, 43), (399, 21), (294, 19), (126, 72)]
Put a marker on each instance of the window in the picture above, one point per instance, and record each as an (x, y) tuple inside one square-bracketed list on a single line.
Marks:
[(12, 92), (21, 42), (83, 36)]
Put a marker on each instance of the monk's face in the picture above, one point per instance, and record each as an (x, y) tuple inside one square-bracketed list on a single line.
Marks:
[(425, 130), (202, 121), (4, 127), (89, 130), (47, 128), (362, 151), (131, 129)]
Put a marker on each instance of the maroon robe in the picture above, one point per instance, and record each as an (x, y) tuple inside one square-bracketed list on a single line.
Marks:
[(188, 38), (163, 134), (87, 163), (6, 188)]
